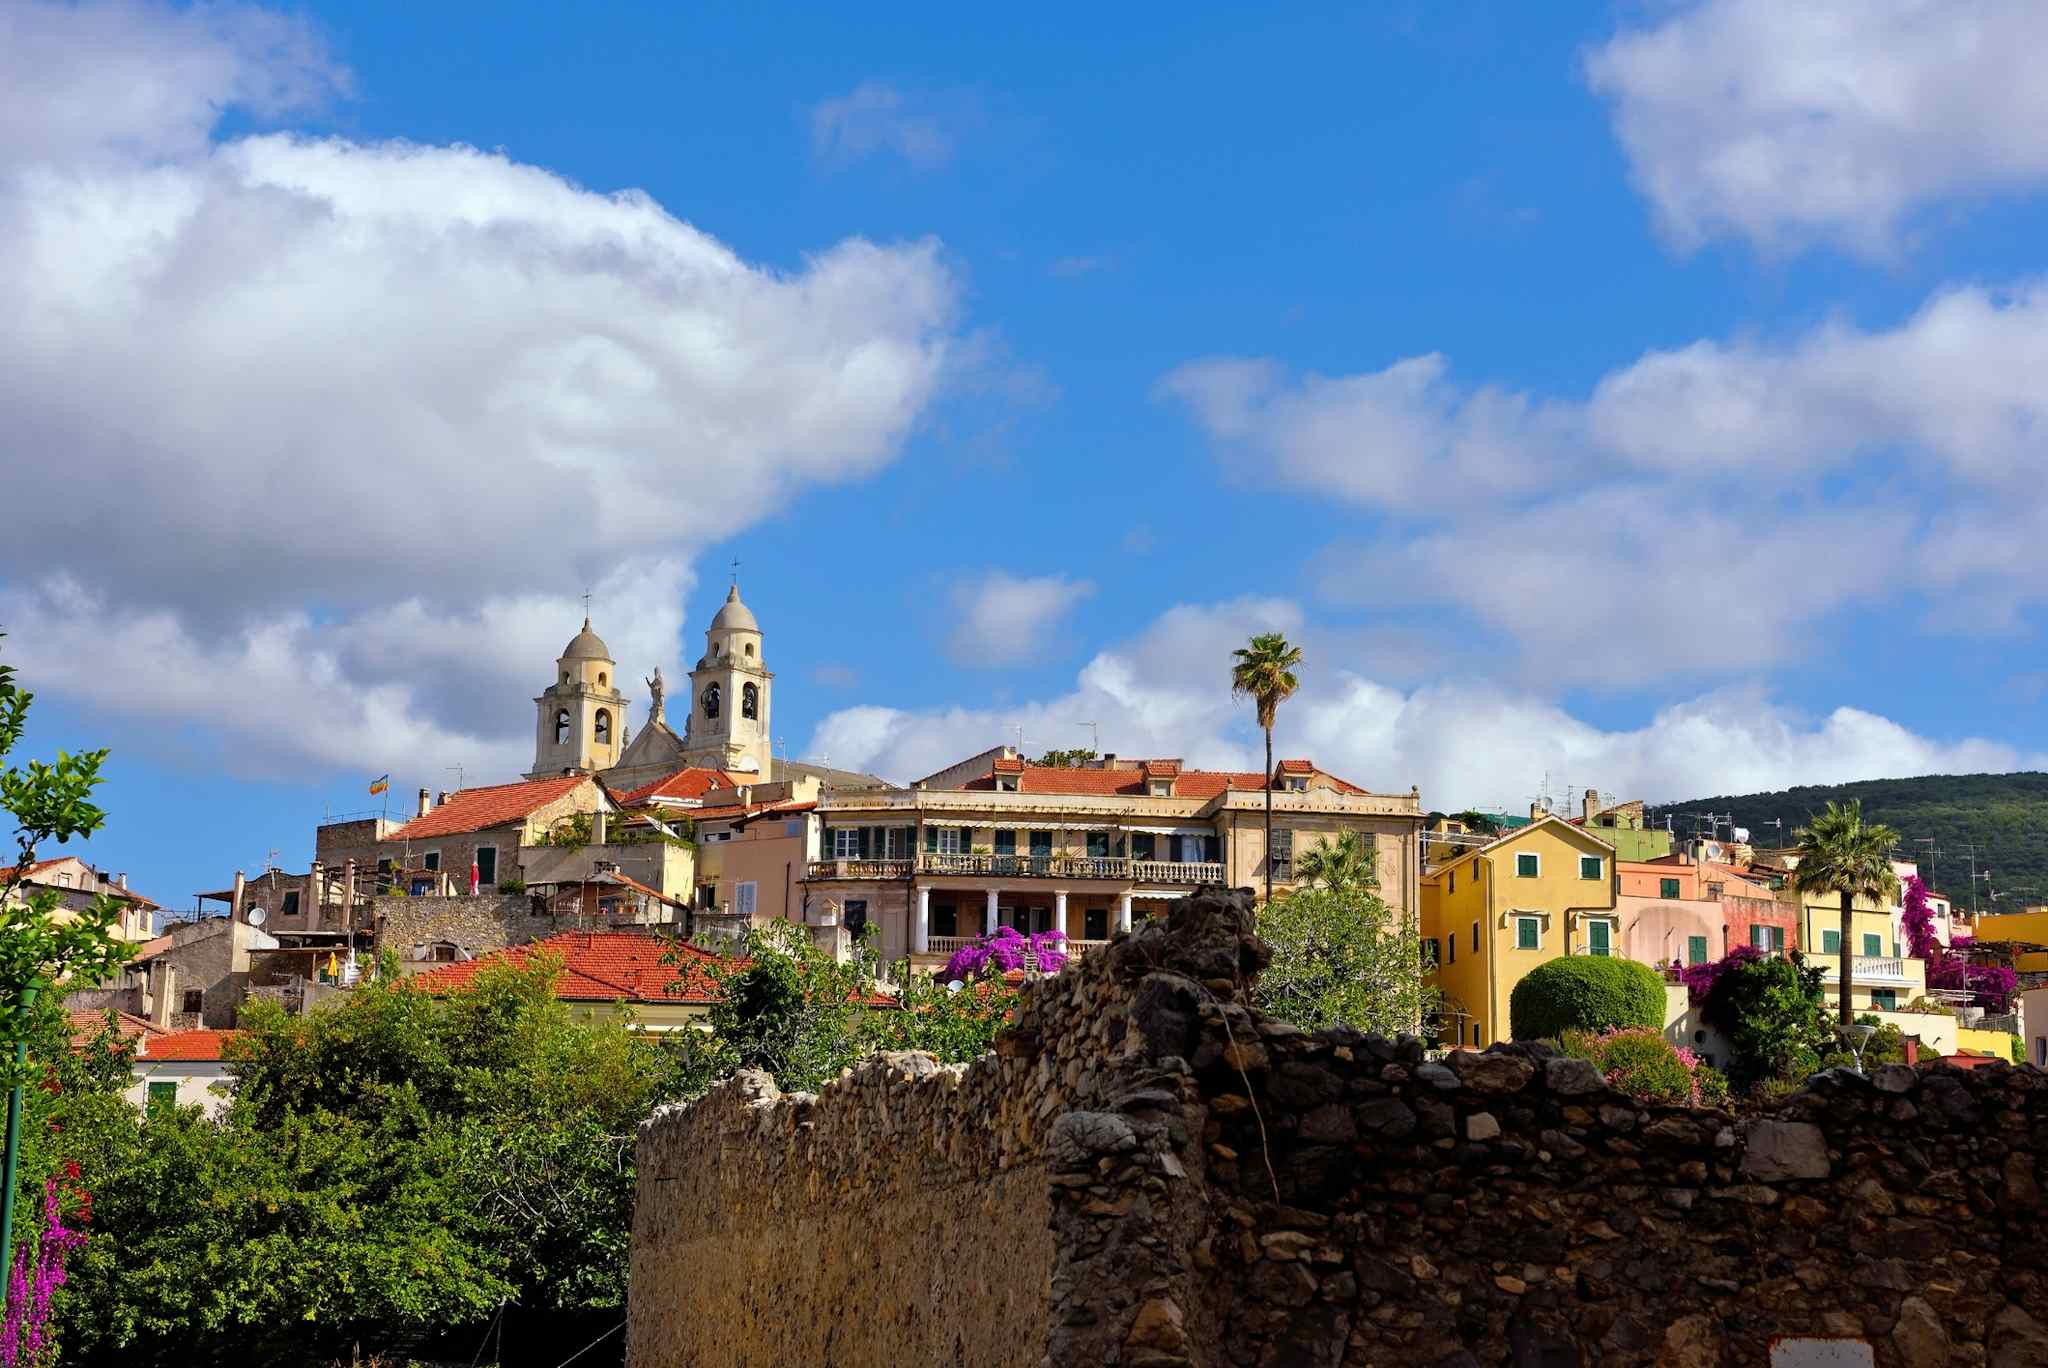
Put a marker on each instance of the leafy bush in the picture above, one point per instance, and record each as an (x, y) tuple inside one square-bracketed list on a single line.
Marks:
[(1002, 950), (1774, 1016), (1341, 955), (1710, 1085), (1700, 979), (1887, 1045), (1586, 993), (1638, 1061)]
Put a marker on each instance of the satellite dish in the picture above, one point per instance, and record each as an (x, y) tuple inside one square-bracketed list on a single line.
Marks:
[(955, 986), (1711, 850), (257, 915), (1742, 835)]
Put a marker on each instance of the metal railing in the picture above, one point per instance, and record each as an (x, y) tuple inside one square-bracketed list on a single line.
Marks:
[(862, 869)]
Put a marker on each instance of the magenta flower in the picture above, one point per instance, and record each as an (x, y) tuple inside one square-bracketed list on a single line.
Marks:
[(38, 1272)]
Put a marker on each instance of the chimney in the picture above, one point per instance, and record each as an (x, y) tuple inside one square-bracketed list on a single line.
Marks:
[(121, 881), (235, 907), (424, 804), (441, 797), (1537, 812), (165, 977), (1591, 804), (598, 827)]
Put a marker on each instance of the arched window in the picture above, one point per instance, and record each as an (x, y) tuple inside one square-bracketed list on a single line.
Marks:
[(750, 701), (711, 700), (601, 680), (561, 726), (602, 728), (750, 650)]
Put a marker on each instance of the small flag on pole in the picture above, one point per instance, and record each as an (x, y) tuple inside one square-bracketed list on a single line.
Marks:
[(380, 785)]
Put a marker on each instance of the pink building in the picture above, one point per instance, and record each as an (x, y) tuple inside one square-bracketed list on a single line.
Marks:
[(1683, 910)]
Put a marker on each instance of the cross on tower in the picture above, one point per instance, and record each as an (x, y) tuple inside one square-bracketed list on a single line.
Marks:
[(586, 605), (735, 571)]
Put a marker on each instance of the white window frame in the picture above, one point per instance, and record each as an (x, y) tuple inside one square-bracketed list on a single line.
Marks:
[(1535, 855), (746, 896), (1522, 918), (846, 843), (1599, 866), (952, 840)]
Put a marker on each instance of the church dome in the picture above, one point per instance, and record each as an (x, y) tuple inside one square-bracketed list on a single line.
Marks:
[(586, 645), (735, 616)]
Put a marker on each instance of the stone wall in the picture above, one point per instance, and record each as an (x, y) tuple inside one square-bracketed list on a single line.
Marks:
[(486, 922), (1148, 1173)]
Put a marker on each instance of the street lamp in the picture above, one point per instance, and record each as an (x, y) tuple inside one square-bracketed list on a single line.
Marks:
[(1857, 1037)]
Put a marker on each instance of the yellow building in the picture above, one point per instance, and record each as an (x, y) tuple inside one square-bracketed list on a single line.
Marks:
[(2029, 927), (1493, 914), (1886, 978)]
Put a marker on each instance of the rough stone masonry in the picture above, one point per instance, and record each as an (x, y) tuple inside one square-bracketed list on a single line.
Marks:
[(1146, 1172)]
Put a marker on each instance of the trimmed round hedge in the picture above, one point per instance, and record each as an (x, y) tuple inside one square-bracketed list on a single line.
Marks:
[(1585, 993)]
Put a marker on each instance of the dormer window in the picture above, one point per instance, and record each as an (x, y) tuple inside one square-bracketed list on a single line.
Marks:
[(1296, 783), (1160, 788), (1006, 783)]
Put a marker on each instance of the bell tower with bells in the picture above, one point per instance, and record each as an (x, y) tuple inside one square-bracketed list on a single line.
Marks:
[(730, 693)]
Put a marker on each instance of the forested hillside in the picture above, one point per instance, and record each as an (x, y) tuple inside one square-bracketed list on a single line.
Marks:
[(2004, 815)]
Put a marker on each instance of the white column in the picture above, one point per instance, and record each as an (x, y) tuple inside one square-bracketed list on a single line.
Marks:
[(1059, 911), (1123, 913), (990, 928), (921, 929)]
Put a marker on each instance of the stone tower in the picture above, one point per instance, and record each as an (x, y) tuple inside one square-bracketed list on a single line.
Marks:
[(730, 692), (581, 717)]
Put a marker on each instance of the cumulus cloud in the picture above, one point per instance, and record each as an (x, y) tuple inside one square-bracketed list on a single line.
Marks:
[(1002, 619), (1825, 121), (1167, 692), (1753, 487), (386, 409), (876, 117)]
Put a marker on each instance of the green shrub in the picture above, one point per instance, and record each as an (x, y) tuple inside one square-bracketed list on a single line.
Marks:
[(1586, 993), (1646, 1066), (1712, 1085)]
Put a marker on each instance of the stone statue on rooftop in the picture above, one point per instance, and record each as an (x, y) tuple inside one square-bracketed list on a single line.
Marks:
[(655, 689)]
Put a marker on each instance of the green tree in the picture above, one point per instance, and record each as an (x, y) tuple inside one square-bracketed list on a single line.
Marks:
[(955, 1026), (1342, 955), (1585, 993), (1345, 863), (1774, 1014), (1065, 759), (42, 945), (1264, 673), (1842, 854), (789, 1008)]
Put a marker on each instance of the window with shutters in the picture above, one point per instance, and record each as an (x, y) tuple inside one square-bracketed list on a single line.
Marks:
[(486, 866), (162, 1095), (1873, 945), (846, 843), (1142, 845), (1695, 949), (743, 895), (1098, 848), (1667, 888), (1528, 865), (1528, 933), (1041, 844), (1831, 942), (1600, 938), (951, 840), (1281, 859), (1006, 843), (1591, 866)]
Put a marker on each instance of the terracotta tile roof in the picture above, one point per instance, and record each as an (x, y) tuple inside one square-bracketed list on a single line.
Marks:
[(1009, 764), (609, 966), (152, 947), (106, 885), (185, 1047), (87, 1025), (1132, 780), (480, 809), (599, 966), (719, 814), (1297, 767), (687, 784)]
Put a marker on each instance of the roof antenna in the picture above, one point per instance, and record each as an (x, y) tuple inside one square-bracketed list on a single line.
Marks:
[(459, 772), (1094, 737)]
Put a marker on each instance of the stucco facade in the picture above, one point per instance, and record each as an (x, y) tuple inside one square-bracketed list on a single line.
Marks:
[(1492, 915)]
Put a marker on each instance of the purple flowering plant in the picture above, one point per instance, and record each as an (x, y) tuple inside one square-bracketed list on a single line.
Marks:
[(1004, 949), (25, 1340), (1992, 985)]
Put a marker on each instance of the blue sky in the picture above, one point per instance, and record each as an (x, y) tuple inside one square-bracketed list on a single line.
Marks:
[(1641, 398)]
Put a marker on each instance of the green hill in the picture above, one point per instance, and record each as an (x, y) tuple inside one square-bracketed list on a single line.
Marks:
[(2004, 815)]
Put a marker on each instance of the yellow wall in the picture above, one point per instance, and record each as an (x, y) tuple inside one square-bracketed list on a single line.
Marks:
[(1820, 912), (1997, 1043), (1485, 888), (2017, 926)]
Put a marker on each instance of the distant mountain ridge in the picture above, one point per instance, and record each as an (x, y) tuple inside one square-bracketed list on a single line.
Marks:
[(2004, 815)]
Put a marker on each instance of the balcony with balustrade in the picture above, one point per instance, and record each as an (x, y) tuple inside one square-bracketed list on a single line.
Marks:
[(1098, 868)]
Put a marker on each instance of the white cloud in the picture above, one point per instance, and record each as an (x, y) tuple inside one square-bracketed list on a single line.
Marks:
[(1166, 693), (1721, 499), (876, 117), (1825, 120), (1001, 619), (385, 409)]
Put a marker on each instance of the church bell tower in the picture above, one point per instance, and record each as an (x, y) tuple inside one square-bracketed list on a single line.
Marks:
[(581, 721), (730, 692)]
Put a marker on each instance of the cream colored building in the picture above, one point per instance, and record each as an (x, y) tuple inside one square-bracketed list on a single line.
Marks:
[(996, 841), (78, 885)]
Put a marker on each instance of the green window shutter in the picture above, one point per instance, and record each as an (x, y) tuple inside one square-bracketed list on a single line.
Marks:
[(1695, 949), (1667, 888), (1831, 942), (861, 846), (1599, 938), (1527, 866), (1873, 945), (931, 839), (1526, 933)]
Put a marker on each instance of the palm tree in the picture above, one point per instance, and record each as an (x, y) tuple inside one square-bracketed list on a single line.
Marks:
[(1264, 673), (1842, 854), (1340, 865)]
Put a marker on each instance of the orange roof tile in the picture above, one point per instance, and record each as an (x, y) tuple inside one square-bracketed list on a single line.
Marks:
[(1009, 764), (687, 784), (600, 966), (719, 814), (152, 947), (87, 1025), (480, 809), (1187, 783), (185, 1047), (111, 889), (1297, 767)]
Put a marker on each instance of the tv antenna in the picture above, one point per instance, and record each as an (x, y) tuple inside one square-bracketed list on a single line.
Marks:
[(1094, 736), (460, 773)]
